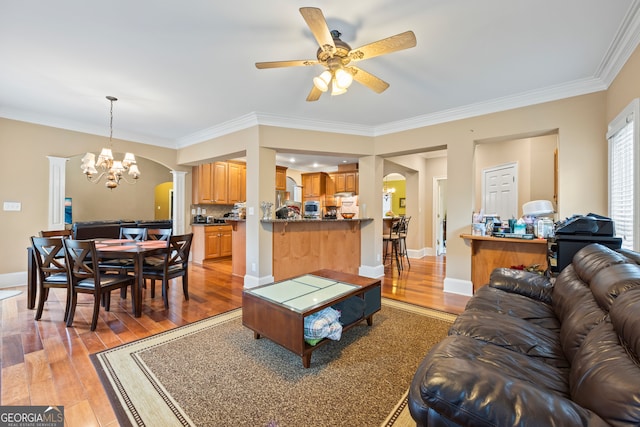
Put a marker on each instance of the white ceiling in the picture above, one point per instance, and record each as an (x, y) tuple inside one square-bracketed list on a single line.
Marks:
[(184, 71)]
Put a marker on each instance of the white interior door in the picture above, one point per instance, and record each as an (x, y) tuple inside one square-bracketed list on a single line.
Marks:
[(500, 191)]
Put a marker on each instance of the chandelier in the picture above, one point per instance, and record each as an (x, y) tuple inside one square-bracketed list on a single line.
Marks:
[(113, 170), (386, 189)]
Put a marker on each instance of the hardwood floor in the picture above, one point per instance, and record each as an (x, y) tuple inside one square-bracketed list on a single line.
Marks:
[(45, 363)]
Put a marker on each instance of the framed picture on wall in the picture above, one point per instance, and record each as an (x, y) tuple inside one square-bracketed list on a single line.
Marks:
[(403, 202)]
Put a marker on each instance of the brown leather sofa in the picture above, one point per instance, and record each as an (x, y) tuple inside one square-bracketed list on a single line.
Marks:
[(529, 352)]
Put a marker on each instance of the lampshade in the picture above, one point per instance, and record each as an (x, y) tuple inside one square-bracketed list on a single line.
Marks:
[(337, 90), (129, 159), (343, 78), (322, 81)]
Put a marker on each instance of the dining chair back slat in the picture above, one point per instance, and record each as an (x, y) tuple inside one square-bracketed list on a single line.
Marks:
[(133, 233), (52, 270), (85, 277), (158, 233), (56, 233)]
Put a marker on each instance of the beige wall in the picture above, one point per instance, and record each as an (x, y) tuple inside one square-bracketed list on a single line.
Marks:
[(24, 178), (93, 202), (534, 157), (625, 87), (581, 126)]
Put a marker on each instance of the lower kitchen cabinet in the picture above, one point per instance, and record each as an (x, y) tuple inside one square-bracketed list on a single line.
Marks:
[(211, 242)]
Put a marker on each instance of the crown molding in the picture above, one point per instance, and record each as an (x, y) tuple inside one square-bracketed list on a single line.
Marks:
[(623, 45), (76, 126), (243, 122), (524, 99)]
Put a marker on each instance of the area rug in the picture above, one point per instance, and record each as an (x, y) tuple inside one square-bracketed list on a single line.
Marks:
[(8, 294), (213, 372)]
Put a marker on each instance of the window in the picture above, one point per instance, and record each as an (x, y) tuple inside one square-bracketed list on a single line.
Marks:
[(624, 175)]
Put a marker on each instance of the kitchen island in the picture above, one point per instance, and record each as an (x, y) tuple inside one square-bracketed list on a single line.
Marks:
[(301, 246)]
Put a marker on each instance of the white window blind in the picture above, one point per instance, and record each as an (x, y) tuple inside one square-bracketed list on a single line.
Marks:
[(623, 175)]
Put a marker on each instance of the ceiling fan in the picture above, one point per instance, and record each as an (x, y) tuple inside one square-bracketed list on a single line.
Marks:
[(336, 57)]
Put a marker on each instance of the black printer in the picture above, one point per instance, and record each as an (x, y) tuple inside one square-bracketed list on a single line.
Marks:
[(576, 232)]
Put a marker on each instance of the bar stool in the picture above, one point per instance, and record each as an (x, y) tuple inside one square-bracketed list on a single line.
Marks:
[(403, 229), (392, 238)]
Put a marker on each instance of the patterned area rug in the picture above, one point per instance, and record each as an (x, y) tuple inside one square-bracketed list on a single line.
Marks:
[(213, 372)]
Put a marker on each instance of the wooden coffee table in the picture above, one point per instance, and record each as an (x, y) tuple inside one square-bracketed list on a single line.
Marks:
[(277, 310)]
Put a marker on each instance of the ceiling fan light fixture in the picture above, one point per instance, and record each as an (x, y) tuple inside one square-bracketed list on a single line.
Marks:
[(343, 78), (322, 81), (336, 89)]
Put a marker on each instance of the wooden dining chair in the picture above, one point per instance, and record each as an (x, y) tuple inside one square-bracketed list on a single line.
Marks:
[(56, 233), (176, 264), (86, 279), (52, 271), (133, 233), (158, 233)]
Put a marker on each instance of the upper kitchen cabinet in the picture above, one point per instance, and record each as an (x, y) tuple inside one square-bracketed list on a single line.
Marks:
[(221, 183), (314, 184), (345, 180), (281, 178), (237, 177)]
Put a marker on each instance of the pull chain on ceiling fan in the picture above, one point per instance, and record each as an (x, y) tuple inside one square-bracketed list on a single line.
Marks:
[(336, 56)]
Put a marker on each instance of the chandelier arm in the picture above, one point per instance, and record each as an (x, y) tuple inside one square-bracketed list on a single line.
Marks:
[(95, 179)]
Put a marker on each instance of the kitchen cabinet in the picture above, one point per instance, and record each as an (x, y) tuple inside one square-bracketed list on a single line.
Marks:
[(345, 182), (221, 183), (314, 184), (237, 177), (218, 241), (281, 178)]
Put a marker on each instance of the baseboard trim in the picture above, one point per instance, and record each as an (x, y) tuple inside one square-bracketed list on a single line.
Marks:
[(458, 286), (372, 271), (253, 281), (10, 280)]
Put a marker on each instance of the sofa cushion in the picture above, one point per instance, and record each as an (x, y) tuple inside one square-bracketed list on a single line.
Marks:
[(471, 382), (521, 282), (612, 281), (589, 260), (488, 298), (576, 309), (605, 378), (511, 333)]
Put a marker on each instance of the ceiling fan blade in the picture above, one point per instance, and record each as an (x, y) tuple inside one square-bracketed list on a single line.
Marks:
[(314, 95), (281, 64), (318, 26), (369, 80), (382, 47)]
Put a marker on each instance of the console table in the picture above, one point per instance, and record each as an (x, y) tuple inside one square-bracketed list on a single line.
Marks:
[(488, 253)]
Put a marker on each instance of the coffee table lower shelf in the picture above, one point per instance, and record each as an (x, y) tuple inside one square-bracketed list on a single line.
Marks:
[(285, 326)]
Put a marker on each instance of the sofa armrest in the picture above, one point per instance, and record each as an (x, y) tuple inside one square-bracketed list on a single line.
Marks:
[(521, 282)]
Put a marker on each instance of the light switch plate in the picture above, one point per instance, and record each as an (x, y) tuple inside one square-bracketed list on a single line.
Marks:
[(12, 206)]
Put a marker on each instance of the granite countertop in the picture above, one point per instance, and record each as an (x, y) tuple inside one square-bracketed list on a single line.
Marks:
[(317, 220)]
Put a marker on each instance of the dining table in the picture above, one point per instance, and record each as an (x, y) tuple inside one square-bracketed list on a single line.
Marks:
[(110, 249)]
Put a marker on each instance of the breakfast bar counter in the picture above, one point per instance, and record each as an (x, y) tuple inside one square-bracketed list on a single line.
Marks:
[(304, 245), (489, 252)]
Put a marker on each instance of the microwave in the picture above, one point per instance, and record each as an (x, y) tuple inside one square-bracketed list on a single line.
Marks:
[(312, 209)]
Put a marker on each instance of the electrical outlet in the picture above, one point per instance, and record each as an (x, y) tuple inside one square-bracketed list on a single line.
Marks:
[(250, 210), (12, 206), (253, 267)]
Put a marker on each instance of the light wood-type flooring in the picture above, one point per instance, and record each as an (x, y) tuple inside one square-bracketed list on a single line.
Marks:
[(45, 363)]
